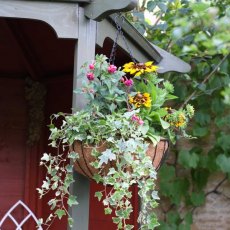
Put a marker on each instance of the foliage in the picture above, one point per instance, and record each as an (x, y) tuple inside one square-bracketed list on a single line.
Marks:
[(126, 112), (196, 31)]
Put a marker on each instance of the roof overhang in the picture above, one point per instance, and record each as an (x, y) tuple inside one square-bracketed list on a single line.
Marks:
[(139, 45), (66, 18)]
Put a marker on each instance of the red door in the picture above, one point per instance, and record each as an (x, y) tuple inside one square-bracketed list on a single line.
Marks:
[(15, 155)]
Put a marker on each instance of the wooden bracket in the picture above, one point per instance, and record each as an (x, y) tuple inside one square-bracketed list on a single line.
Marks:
[(100, 9)]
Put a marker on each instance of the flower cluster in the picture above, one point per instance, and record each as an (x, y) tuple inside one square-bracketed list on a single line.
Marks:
[(135, 86)]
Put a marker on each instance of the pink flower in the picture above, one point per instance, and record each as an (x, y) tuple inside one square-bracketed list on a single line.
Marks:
[(140, 122), (91, 66), (90, 76), (122, 80), (112, 68), (128, 82), (135, 118)]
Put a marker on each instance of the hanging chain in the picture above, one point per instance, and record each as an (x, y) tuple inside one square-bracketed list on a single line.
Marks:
[(119, 33)]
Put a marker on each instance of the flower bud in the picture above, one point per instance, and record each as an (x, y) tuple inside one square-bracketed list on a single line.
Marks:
[(112, 69), (128, 82), (90, 76), (91, 66)]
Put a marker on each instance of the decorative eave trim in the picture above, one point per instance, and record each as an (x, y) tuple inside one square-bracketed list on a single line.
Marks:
[(101, 9)]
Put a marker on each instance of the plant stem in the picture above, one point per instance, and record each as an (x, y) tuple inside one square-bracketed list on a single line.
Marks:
[(204, 81)]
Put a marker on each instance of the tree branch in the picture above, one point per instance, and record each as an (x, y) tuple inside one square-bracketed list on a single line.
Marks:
[(204, 81)]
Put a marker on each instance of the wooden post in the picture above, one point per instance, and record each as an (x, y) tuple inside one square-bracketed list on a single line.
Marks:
[(84, 51)]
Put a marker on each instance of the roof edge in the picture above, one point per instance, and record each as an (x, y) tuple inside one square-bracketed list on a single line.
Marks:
[(137, 38), (100, 9)]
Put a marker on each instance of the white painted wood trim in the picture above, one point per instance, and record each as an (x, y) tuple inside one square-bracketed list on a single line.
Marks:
[(23, 221), (62, 17)]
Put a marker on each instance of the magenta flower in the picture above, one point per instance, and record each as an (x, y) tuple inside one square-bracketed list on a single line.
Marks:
[(112, 68), (90, 76), (128, 82), (91, 66)]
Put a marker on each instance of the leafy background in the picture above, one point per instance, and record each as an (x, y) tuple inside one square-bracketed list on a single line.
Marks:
[(199, 33)]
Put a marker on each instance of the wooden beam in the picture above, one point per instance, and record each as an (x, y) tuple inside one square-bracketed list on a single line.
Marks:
[(76, 1), (84, 52), (100, 9), (62, 17), (23, 49)]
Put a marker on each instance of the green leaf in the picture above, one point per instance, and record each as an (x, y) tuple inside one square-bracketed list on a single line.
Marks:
[(200, 6), (152, 221), (173, 217), (184, 227), (187, 159), (166, 226), (200, 131), (72, 200), (70, 222), (156, 117), (224, 163), (198, 199), (180, 188), (99, 195), (202, 117), (151, 5), (223, 142), (166, 173), (69, 168), (200, 178), (108, 211), (188, 218), (73, 155), (60, 213), (162, 6)]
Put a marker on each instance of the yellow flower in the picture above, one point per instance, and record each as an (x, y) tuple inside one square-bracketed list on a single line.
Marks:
[(138, 69), (176, 118), (181, 120), (140, 100)]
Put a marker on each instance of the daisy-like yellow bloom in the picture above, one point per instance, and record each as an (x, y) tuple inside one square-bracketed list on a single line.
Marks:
[(138, 69), (140, 100), (181, 120)]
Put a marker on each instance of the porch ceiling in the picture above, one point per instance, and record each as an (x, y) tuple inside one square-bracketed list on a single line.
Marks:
[(30, 47)]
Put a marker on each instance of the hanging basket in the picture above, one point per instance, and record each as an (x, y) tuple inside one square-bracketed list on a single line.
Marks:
[(83, 164)]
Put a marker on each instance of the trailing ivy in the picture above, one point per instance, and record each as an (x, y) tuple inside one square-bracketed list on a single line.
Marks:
[(195, 31)]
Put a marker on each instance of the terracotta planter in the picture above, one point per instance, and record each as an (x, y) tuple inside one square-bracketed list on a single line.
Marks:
[(82, 165)]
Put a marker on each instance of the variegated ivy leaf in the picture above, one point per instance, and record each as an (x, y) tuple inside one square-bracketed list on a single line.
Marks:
[(106, 156), (60, 213), (45, 157), (72, 200)]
